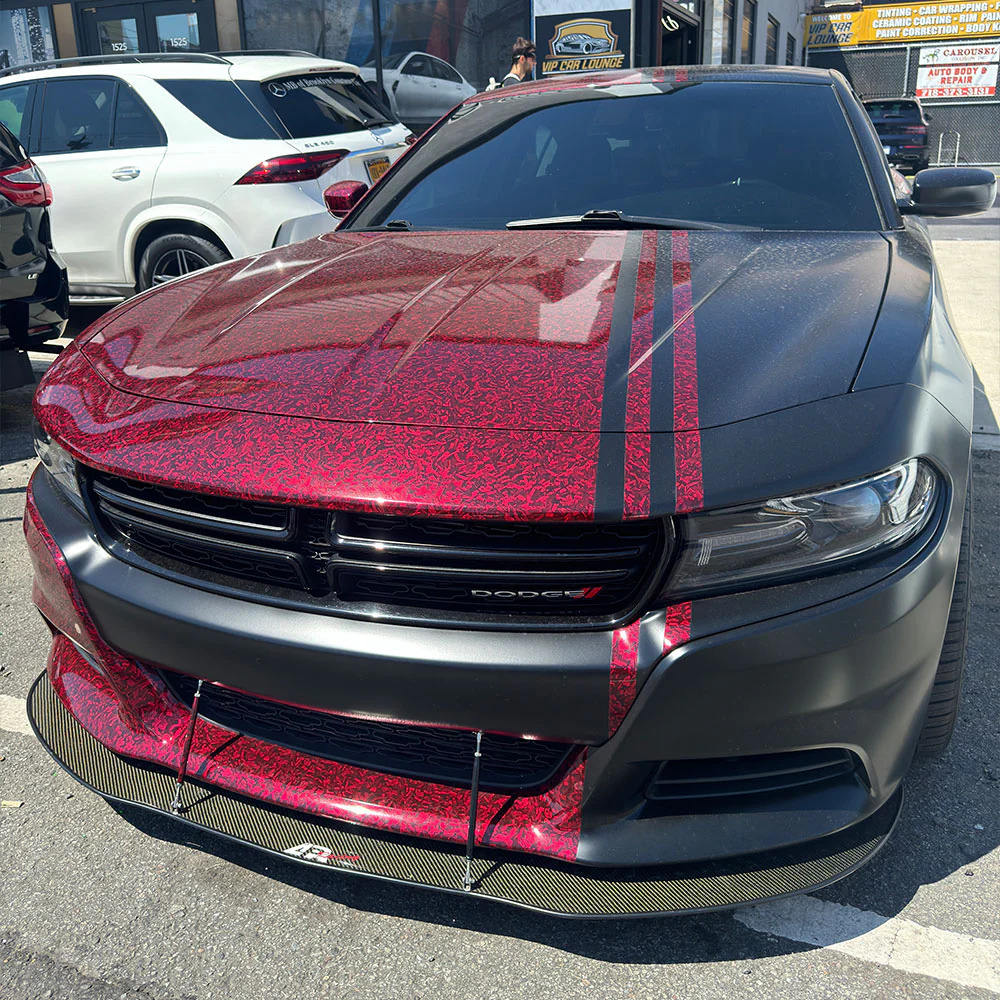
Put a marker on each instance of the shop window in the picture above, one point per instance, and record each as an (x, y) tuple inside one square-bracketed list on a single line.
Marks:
[(76, 115), (790, 50), (729, 30), (748, 36), (773, 34), (26, 36)]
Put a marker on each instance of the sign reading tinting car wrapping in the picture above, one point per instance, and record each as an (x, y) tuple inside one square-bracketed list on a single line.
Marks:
[(569, 40), (958, 71), (903, 23)]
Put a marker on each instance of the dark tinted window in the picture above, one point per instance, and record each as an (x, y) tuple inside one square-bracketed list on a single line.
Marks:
[(418, 66), (446, 72), (322, 104), (221, 105), (11, 151), (893, 109), (790, 50), (729, 29), (76, 115), (13, 108), (778, 156), (135, 125)]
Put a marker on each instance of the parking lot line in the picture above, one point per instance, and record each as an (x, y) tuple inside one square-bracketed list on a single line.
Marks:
[(13, 717), (891, 941)]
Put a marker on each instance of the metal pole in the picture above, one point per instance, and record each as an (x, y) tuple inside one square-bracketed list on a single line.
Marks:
[(958, 142), (940, 146), (175, 805), (377, 33), (470, 843)]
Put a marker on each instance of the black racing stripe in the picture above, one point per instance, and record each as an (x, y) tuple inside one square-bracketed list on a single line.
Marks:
[(609, 491), (661, 392)]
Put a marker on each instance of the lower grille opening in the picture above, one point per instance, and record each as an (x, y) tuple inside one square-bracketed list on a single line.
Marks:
[(429, 753), (713, 780)]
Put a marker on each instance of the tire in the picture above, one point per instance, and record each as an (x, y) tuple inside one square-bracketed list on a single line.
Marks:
[(174, 255), (943, 708)]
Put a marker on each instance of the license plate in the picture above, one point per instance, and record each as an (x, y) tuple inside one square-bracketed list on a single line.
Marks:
[(377, 167), (887, 150)]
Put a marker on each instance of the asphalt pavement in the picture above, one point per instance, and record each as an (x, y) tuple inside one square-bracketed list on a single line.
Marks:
[(107, 903)]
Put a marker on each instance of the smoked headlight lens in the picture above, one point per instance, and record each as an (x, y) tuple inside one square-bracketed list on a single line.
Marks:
[(802, 535), (59, 464)]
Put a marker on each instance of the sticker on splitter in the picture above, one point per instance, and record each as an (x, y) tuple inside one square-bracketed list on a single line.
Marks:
[(321, 855)]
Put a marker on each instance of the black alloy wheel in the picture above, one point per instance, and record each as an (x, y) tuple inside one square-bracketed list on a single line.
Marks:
[(175, 255)]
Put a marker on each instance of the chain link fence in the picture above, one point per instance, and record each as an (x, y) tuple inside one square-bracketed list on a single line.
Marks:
[(961, 131)]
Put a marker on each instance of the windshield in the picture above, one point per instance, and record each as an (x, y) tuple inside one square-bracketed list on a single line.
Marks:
[(323, 104), (769, 155)]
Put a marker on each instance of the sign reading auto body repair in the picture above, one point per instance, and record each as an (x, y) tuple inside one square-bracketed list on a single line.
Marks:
[(571, 39), (958, 71), (904, 23)]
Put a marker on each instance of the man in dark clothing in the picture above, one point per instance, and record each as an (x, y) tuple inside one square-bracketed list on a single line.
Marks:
[(523, 62)]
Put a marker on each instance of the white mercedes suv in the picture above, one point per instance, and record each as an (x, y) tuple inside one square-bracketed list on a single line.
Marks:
[(162, 164)]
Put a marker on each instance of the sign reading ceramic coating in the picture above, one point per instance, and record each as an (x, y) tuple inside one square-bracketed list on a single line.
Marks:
[(583, 42), (904, 23)]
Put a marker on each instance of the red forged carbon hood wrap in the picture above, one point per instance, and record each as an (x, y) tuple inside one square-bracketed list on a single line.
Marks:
[(503, 330)]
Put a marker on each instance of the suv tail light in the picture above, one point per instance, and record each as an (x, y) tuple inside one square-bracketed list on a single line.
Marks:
[(296, 167), (25, 185), (915, 129)]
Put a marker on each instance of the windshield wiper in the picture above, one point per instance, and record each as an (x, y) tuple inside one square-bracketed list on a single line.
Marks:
[(611, 218), (391, 224)]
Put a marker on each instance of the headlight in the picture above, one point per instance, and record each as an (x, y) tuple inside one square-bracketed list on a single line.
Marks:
[(59, 464), (802, 535)]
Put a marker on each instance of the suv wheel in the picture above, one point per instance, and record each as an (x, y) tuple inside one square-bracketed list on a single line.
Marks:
[(943, 707), (174, 255)]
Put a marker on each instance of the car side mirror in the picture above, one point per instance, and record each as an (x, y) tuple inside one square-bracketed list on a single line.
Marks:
[(341, 197), (952, 191)]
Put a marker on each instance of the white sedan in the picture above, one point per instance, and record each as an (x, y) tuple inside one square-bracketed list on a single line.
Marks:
[(419, 88)]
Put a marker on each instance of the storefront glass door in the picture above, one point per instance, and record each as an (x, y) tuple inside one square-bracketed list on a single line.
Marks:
[(163, 26)]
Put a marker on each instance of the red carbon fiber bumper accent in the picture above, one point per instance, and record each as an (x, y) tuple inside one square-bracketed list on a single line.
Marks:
[(130, 711)]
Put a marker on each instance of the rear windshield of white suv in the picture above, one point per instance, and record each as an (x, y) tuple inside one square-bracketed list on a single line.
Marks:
[(320, 103)]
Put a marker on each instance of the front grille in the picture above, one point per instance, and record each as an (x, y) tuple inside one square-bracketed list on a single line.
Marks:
[(678, 781), (430, 753), (395, 567)]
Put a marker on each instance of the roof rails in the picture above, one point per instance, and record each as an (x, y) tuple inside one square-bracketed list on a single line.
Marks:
[(132, 57), (270, 52)]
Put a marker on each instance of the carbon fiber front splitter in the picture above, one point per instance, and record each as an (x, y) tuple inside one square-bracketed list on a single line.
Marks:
[(564, 889)]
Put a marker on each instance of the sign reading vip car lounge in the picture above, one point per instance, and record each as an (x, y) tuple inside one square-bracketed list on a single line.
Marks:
[(572, 39)]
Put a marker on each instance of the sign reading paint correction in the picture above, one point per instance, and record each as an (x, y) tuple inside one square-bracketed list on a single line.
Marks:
[(904, 23), (583, 42)]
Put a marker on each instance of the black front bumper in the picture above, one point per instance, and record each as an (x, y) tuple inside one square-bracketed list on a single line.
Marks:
[(537, 884)]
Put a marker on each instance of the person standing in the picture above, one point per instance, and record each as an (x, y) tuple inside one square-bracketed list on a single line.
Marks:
[(522, 64)]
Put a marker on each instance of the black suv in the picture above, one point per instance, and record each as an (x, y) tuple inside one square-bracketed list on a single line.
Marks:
[(34, 295), (902, 129)]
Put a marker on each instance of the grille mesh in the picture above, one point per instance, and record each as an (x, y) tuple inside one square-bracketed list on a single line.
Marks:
[(549, 886), (416, 568), (429, 753)]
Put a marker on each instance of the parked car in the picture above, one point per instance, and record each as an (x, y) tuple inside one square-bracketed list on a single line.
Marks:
[(902, 129), (419, 88), (585, 524), (34, 302), (158, 161)]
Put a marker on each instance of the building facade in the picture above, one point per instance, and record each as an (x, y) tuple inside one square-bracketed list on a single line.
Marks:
[(475, 36), (947, 55)]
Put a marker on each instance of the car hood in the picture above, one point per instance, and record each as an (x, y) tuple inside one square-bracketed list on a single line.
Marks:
[(535, 330)]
